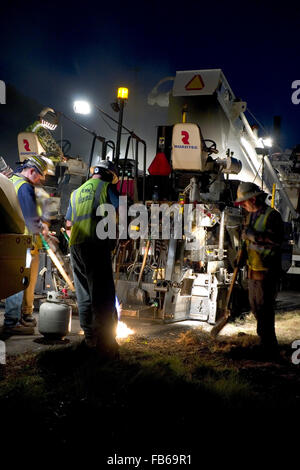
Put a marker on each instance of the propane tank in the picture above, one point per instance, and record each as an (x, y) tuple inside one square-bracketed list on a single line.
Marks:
[(54, 317)]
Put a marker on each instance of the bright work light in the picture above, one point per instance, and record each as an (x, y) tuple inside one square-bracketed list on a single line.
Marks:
[(82, 107), (123, 93), (268, 142)]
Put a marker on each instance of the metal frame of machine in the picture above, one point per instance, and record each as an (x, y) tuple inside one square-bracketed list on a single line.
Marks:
[(193, 284), (209, 156)]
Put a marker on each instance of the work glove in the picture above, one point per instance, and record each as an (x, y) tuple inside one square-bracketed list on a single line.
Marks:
[(45, 229), (52, 238), (249, 234)]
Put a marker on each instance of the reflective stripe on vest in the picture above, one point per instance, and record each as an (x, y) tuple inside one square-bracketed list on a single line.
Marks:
[(18, 181), (84, 203), (259, 256)]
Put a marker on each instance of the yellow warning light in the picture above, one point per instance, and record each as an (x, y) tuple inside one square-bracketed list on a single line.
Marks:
[(123, 93)]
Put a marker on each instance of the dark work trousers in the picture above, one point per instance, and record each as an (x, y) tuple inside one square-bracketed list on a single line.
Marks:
[(95, 289), (262, 295)]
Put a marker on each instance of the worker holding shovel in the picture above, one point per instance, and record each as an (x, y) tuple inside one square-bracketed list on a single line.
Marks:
[(262, 238)]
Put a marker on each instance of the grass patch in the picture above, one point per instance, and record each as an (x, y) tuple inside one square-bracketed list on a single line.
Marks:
[(157, 390)]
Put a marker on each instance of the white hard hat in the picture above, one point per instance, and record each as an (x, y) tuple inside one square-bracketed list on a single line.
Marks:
[(246, 191), (50, 166)]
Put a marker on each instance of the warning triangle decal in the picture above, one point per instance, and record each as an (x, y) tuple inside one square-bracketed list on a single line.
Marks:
[(195, 84)]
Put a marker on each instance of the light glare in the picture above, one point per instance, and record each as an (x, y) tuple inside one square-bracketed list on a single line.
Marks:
[(123, 331), (268, 142), (82, 107)]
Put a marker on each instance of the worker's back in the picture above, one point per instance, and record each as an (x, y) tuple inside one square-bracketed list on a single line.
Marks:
[(84, 202)]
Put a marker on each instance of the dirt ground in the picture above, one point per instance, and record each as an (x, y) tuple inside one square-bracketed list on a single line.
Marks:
[(173, 390), (236, 347)]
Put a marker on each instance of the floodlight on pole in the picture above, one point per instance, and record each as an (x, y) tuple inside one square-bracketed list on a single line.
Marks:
[(120, 102), (95, 136), (82, 107)]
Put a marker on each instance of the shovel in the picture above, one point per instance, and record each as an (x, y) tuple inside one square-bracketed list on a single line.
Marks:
[(136, 295), (225, 318), (57, 263)]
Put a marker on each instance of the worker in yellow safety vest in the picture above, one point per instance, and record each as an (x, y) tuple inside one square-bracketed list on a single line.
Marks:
[(18, 318), (91, 258), (262, 239)]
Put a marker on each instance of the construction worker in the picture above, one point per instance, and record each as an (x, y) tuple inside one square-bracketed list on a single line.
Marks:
[(262, 238), (18, 318), (91, 259), (47, 120)]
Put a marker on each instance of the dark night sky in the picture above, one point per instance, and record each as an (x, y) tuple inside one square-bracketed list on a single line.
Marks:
[(55, 52)]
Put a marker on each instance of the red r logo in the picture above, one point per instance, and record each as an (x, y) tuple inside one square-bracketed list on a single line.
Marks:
[(26, 145), (185, 138)]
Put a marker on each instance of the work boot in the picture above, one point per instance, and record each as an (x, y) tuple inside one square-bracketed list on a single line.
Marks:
[(18, 329), (28, 320), (107, 349)]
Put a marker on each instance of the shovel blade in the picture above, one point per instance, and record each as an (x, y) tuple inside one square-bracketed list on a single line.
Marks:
[(136, 296), (220, 324)]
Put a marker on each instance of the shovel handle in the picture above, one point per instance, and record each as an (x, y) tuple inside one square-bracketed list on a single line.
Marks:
[(143, 263), (225, 317)]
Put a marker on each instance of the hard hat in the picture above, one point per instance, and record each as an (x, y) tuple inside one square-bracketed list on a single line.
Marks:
[(108, 166), (38, 163), (50, 166), (246, 191)]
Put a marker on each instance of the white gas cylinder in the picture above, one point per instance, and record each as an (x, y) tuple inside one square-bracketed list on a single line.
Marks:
[(54, 317)]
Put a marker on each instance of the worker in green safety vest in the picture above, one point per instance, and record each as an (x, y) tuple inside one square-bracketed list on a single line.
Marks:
[(91, 258), (18, 318), (262, 239)]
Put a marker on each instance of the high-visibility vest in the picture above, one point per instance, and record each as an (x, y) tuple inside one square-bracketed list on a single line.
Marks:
[(84, 203), (18, 181), (260, 257)]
